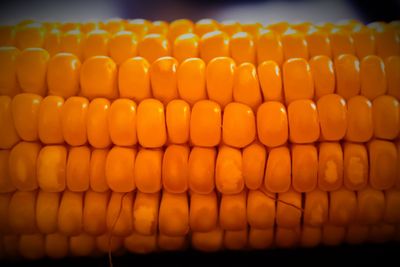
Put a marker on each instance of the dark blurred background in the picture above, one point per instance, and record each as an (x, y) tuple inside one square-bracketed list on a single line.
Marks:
[(264, 11)]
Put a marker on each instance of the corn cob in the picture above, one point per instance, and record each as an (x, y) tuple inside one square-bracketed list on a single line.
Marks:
[(142, 136)]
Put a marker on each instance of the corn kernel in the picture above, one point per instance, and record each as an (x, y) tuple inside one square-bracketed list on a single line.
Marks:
[(304, 167), (51, 168), (74, 118), (323, 74), (355, 166), (98, 78), (246, 88), (47, 205), (122, 46), (260, 209), (272, 124), (163, 79), (148, 169), (205, 124), (373, 80), (95, 212), (201, 169), (270, 79), (31, 70), (343, 207), (316, 208), (134, 79), (303, 121), (120, 166), (278, 170), (297, 80), (122, 122), (175, 169), (288, 216), (359, 119), (97, 177), (254, 157), (29, 35), (203, 212), (382, 162), (6, 184), (370, 206), (341, 43), (318, 43), (120, 214), (214, 44), (153, 46), (145, 213), (8, 71), (347, 69), (232, 212), (392, 68), (228, 170), (77, 169), (186, 46), (174, 214), (21, 212), (8, 135), (192, 69), (332, 117), (151, 128), (294, 45), (269, 47), (220, 73)]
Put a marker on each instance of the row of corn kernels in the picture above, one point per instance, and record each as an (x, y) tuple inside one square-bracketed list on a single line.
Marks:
[(252, 44), (327, 166), (100, 122), (73, 213), (221, 80), (58, 246)]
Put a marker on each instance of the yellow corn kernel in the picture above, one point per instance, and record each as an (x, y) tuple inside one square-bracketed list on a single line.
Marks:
[(355, 159), (21, 212), (318, 43), (153, 46), (261, 209), (179, 27), (201, 169), (29, 35), (220, 73), (275, 132), (145, 213), (370, 206), (122, 123), (72, 42), (208, 241), (392, 68), (63, 75), (228, 171), (332, 115), (243, 48), (8, 135), (8, 71), (270, 79), (137, 243), (230, 27), (175, 169), (77, 169), (95, 212), (364, 42), (120, 167), (288, 216), (297, 80), (22, 165), (359, 119), (386, 117), (373, 80), (73, 119), (139, 27), (97, 123), (186, 46), (235, 240), (121, 46), (232, 212), (278, 170), (205, 124), (148, 169), (254, 157), (310, 236), (96, 44), (134, 73), (323, 75), (269, 47), (343, 207), (204, 26), (98, 78), (304, 167), (333, 235), (97, 177), (47, 206), (330, 166), (159, 27), (120, 214), (294, 45), (261, 238), (347, 70), (49, 120), (174, 214), (238, 125), (382, 162), (31, 70), (203, 212), (316, 208), (7, 35), (151, 128), (81, 245), (6, 184), (192, 69), (303, 121), (51, 168), (178, 121), (163, 79), (287, 237), (214, 44), (341, 42), (246, 88)]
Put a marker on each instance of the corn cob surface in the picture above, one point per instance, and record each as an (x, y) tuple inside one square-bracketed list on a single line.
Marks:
[(140, 136)]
